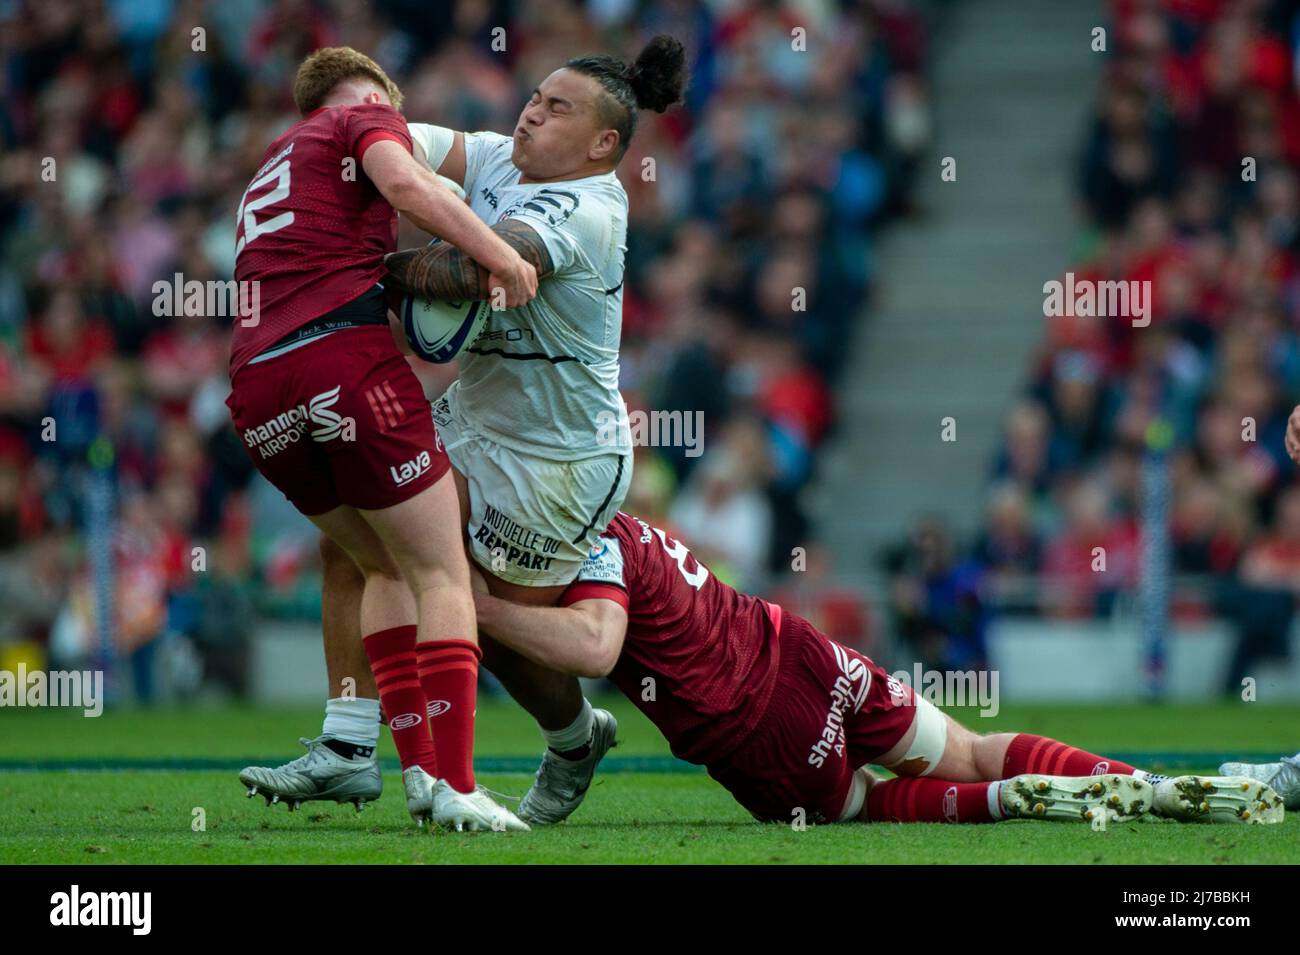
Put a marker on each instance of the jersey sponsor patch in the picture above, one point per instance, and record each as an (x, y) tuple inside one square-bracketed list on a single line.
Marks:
[(408, 471), (604, 563)]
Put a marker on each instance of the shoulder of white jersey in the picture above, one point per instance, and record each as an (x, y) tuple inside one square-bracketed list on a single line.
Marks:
[(434, 141), (582, 223), (488, 151)]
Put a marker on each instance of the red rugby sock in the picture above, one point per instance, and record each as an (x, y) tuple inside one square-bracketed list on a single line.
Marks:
[(392, 659), (908, 799), (1038, 754), (449, 675)]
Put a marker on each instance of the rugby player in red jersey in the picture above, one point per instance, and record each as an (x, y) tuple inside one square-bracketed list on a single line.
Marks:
[(331, 414), (787, 720)]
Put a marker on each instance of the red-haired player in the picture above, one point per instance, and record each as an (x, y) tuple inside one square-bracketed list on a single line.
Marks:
[(332, 415), (787, 720)]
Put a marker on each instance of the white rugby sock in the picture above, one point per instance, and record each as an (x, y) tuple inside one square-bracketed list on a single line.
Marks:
[(1153, 778), (995, 800), (352, 720), (577, 733)]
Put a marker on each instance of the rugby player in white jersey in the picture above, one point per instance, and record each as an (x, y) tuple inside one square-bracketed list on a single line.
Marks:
[(525, 427)]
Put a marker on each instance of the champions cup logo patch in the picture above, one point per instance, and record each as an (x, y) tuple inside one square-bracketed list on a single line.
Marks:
[(604, 562), (405, 721), (438, 707)]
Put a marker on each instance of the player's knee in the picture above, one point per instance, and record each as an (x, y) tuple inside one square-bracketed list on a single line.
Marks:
[(336, 565), (376, 566), (423, 578), (988, 752)]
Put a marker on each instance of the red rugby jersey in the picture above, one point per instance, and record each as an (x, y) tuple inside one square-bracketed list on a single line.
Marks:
[(312, 229), (711, 651)]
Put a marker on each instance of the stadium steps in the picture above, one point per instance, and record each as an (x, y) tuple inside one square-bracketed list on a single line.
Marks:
[(959, 309)]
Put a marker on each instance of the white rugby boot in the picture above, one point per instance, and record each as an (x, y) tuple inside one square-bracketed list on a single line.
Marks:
[(561, 784), (320, 774), (471, 812), (1218, 799), (419, 793), (1116, 797), (1283, 776)]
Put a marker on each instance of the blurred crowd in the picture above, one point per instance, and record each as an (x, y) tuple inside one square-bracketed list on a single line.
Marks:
[(1188, 181), (129, 129)]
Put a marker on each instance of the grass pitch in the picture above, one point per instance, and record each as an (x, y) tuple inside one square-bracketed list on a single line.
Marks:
[(134, 786)]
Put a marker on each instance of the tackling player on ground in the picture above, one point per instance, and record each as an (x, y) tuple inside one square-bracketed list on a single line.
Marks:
[(787, 720), (537, 478)]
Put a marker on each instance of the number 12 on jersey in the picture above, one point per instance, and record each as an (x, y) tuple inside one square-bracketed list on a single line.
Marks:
[(279, 176)]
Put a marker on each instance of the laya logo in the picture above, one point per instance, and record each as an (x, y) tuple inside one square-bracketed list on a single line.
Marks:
[(897, 692), (405, 721), (438, 707), (1101, 769), (329, 424), (410, 470)]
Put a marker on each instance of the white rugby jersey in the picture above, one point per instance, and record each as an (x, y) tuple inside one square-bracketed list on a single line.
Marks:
[(543, 379)]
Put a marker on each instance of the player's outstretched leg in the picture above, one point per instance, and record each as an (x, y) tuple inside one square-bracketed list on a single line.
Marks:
[(1283, 776), (1218, 799), (1183, 798), (1114, 797), (967, 755)]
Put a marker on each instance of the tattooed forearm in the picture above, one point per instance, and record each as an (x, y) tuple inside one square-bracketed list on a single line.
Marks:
[(524, 239), (440, 272), (444, 273)]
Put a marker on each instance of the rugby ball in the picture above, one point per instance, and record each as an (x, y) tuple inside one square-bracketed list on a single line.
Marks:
[(439, 331)]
